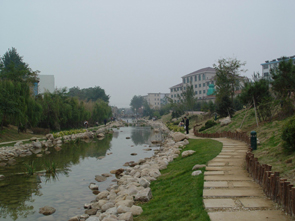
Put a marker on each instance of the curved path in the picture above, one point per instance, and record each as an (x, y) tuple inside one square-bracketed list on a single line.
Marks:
[(230, 193)]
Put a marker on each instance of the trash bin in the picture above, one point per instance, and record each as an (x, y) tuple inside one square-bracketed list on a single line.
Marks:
[(253, 140)]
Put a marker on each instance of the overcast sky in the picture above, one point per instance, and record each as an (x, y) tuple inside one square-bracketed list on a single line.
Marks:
[(137, 47)]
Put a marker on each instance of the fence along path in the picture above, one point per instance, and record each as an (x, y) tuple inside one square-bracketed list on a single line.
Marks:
[(230, 193)]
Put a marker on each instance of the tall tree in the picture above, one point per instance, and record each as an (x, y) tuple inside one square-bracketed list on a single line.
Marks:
[(136, 102), (89, 94), (187, 98), (227, 77), (15, 69)]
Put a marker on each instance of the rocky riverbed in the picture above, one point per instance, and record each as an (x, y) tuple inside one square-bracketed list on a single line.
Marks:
[(133, 184)]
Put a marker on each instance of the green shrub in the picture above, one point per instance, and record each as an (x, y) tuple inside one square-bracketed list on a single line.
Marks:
[(288, 135), (208, 124)]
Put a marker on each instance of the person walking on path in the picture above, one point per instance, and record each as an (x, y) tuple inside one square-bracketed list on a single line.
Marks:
[(105, 122), (186, 125)]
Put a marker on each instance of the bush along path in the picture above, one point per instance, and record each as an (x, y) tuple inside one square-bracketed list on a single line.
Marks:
[(229, 191)]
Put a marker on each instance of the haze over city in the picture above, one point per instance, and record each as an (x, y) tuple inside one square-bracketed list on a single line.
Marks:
[(137, 47)]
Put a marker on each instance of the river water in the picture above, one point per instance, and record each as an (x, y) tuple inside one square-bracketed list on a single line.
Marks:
[(22, 195)]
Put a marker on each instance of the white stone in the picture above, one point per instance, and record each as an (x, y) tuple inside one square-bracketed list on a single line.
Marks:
[(196, 173), (187, 153), (136, 210)]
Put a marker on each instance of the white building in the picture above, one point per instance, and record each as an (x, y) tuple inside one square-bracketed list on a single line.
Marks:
[(156, 100), (200, 80), (46, 83), (268, 65)]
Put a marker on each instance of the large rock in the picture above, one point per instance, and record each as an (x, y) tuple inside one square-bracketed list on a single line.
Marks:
[(46, 210), (178, 136), (93, 186), (91, 211), (187, 153), (136, 210), (126, 216), (107, 206), (2, 176), (196, 173), (144, 195), (37, 144), (99, 178), (49, 136), (198, 166), (102, 195), (33, 139), (225, 121)]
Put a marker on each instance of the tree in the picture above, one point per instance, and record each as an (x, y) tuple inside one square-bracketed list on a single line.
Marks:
[(224, 107), (283, 84), (256, 93), (89, 94), (136, 102), (227, 77), (13, 68), (187, 98)]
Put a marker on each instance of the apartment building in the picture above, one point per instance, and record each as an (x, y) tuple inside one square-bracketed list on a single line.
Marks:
[(200, 80), (156, 100), (268, 65)]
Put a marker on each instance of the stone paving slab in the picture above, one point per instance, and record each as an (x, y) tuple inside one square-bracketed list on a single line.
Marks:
[(268, 215), (232, 192), (256, 203), (245, 184), (224, 168), (219, 203), (226, 177), (214, 173), (216, 164), (215, 184)]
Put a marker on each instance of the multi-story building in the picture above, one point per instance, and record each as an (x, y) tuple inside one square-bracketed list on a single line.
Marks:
[(46, 83), (268, 65), (156, 100), (200, 80)]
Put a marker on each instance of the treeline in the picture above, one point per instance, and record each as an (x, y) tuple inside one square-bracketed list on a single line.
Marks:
[(58, 110), (273, 96)]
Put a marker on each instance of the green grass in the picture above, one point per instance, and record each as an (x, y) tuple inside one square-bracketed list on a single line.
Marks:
[(10, 134), (177, 195)]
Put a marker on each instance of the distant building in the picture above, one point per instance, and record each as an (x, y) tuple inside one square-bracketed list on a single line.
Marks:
[(200, 80), (46, 83), (156, 100), (268, 65)]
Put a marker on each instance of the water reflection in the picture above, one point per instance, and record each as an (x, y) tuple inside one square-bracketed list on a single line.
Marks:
[(22, 195)]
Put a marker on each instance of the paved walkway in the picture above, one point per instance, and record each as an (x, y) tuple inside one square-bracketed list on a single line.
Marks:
[(230, 193)]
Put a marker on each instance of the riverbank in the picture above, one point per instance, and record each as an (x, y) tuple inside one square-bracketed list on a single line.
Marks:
[(138, 186)]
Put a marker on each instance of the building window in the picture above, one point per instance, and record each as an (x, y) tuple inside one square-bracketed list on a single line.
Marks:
[(265, 66), (265, 74), (183, 88), (207, 83), (200, 92), (196, 86), (178, 89), (171, 90), (191, 79), (204, 77), (184, 80), (199, 77), (174, 95), (200, 85), (204, 92), (196, 77), (171, 95), (196, 92), (204, 84)]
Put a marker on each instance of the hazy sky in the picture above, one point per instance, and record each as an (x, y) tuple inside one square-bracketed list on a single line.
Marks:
[(137, 47)]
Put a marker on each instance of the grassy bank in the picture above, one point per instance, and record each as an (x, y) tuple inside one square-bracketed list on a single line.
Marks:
[(270, 151), (177, 195), (10, 134)]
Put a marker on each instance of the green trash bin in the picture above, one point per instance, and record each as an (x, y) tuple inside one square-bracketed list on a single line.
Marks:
[(253, 140)]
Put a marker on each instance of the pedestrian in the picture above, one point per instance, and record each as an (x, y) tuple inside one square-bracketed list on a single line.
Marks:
[(186, 124), (105, 122), (86, 124)]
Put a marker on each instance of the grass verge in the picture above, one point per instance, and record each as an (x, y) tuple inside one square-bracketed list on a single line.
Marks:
[(177, 195)]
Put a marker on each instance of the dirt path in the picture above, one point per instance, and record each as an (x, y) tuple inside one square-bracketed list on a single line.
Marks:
[(230, 193)]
